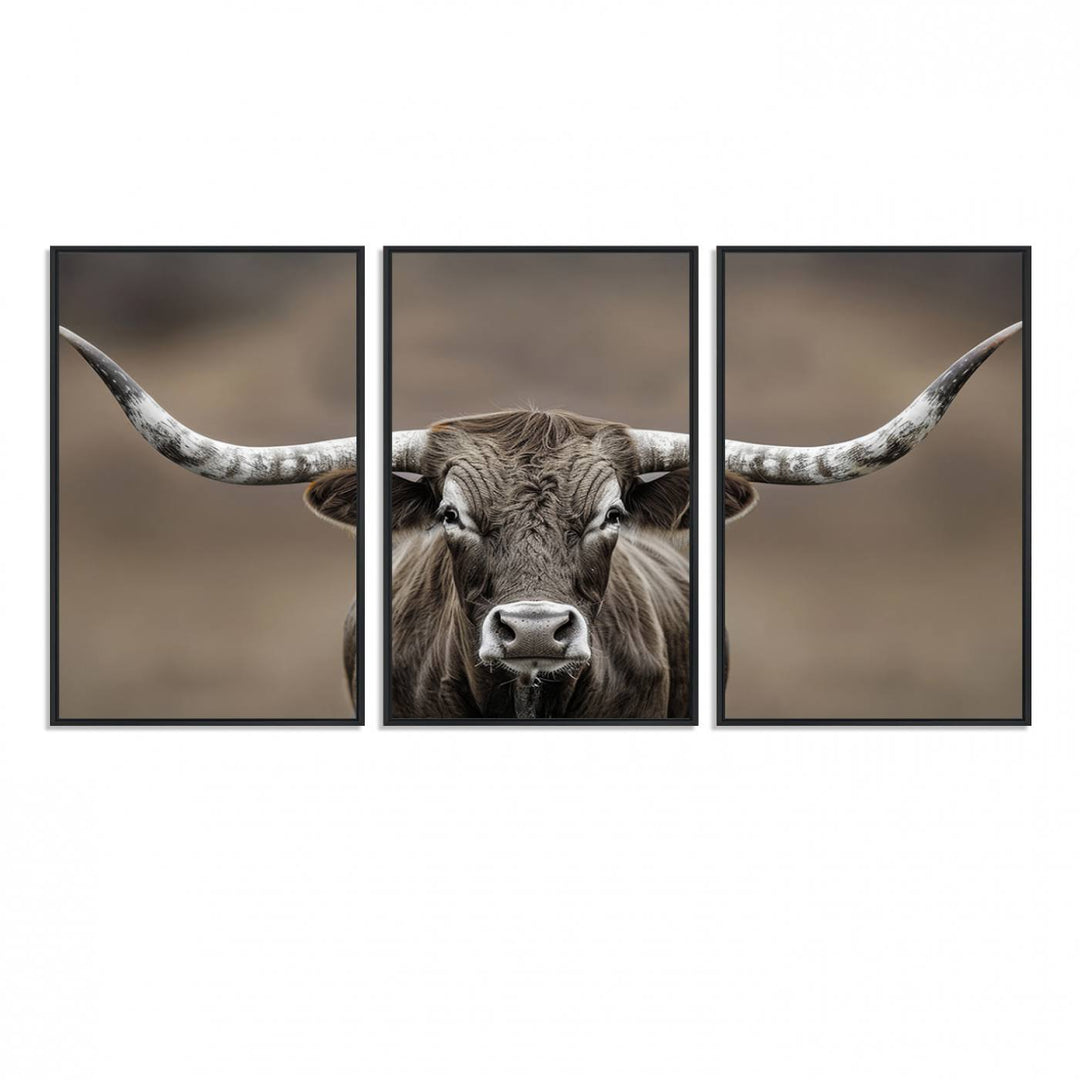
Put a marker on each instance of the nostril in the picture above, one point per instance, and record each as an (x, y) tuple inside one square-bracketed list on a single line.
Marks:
[(503, 630), (564, 630)]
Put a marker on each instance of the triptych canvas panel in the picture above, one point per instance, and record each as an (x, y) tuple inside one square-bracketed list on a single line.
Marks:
[(191, 584), (539, 509), (539, 484), (881, 578)]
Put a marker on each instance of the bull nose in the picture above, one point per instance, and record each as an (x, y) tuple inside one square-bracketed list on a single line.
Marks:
[(532, 630)]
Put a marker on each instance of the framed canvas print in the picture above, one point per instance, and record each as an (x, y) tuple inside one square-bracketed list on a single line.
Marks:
[(539, 417), (875, 540), (201, 398)]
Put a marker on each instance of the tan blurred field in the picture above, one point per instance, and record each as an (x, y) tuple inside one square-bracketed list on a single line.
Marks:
[(181, 597), (898, 595), (602, 334)]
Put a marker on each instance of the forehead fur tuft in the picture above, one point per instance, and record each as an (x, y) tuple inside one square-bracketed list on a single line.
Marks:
[(517, 432)]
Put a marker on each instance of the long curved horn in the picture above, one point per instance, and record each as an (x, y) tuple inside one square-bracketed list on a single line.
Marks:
[(208, 457), (407, 450), (767, 464), (660, 451)]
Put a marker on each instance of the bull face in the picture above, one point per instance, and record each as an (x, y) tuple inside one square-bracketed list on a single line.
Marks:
[(531, 561), (531, 507)]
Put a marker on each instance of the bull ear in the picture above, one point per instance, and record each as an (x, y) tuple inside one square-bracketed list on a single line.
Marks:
[(334, 497), (663, 503), (739, 497), (412, 503)]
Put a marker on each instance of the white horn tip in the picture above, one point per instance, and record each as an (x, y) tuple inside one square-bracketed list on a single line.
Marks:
[(1002, 336)]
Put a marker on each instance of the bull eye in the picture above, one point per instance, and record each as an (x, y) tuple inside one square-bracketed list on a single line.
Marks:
[(449, 516), (614, 516)]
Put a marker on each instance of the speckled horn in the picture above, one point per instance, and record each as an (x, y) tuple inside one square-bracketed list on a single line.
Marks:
[(407, 450), (660, 451), (767, 464), (208, 457)]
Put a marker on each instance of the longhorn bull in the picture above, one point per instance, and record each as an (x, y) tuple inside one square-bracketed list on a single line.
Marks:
[(536, 574)]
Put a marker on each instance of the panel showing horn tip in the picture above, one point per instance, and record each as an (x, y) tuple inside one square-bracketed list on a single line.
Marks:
[(837, 462)]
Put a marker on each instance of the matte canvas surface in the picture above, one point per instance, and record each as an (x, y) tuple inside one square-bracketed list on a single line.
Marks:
[(897, 595), (181, 597), (535, 575)]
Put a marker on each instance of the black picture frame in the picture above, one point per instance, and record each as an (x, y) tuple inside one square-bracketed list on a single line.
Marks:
[(691, 252), (55, 252), (1024, 720)]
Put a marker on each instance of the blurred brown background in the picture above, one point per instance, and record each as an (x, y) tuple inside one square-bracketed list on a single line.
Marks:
[(898, 595), (181, 597), (602, 334)]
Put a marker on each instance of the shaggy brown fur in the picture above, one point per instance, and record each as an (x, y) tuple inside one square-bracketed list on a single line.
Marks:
[(533, 481), (739, 498), (334, 497)]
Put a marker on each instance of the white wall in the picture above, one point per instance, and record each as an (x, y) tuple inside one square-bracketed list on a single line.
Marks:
[(537, 903)]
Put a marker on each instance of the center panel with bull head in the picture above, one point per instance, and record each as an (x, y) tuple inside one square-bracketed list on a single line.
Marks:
[(541, 559)]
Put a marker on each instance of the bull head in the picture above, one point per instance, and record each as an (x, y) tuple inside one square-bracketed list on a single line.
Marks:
[(530, 506), (329, 467), (748, 463)]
